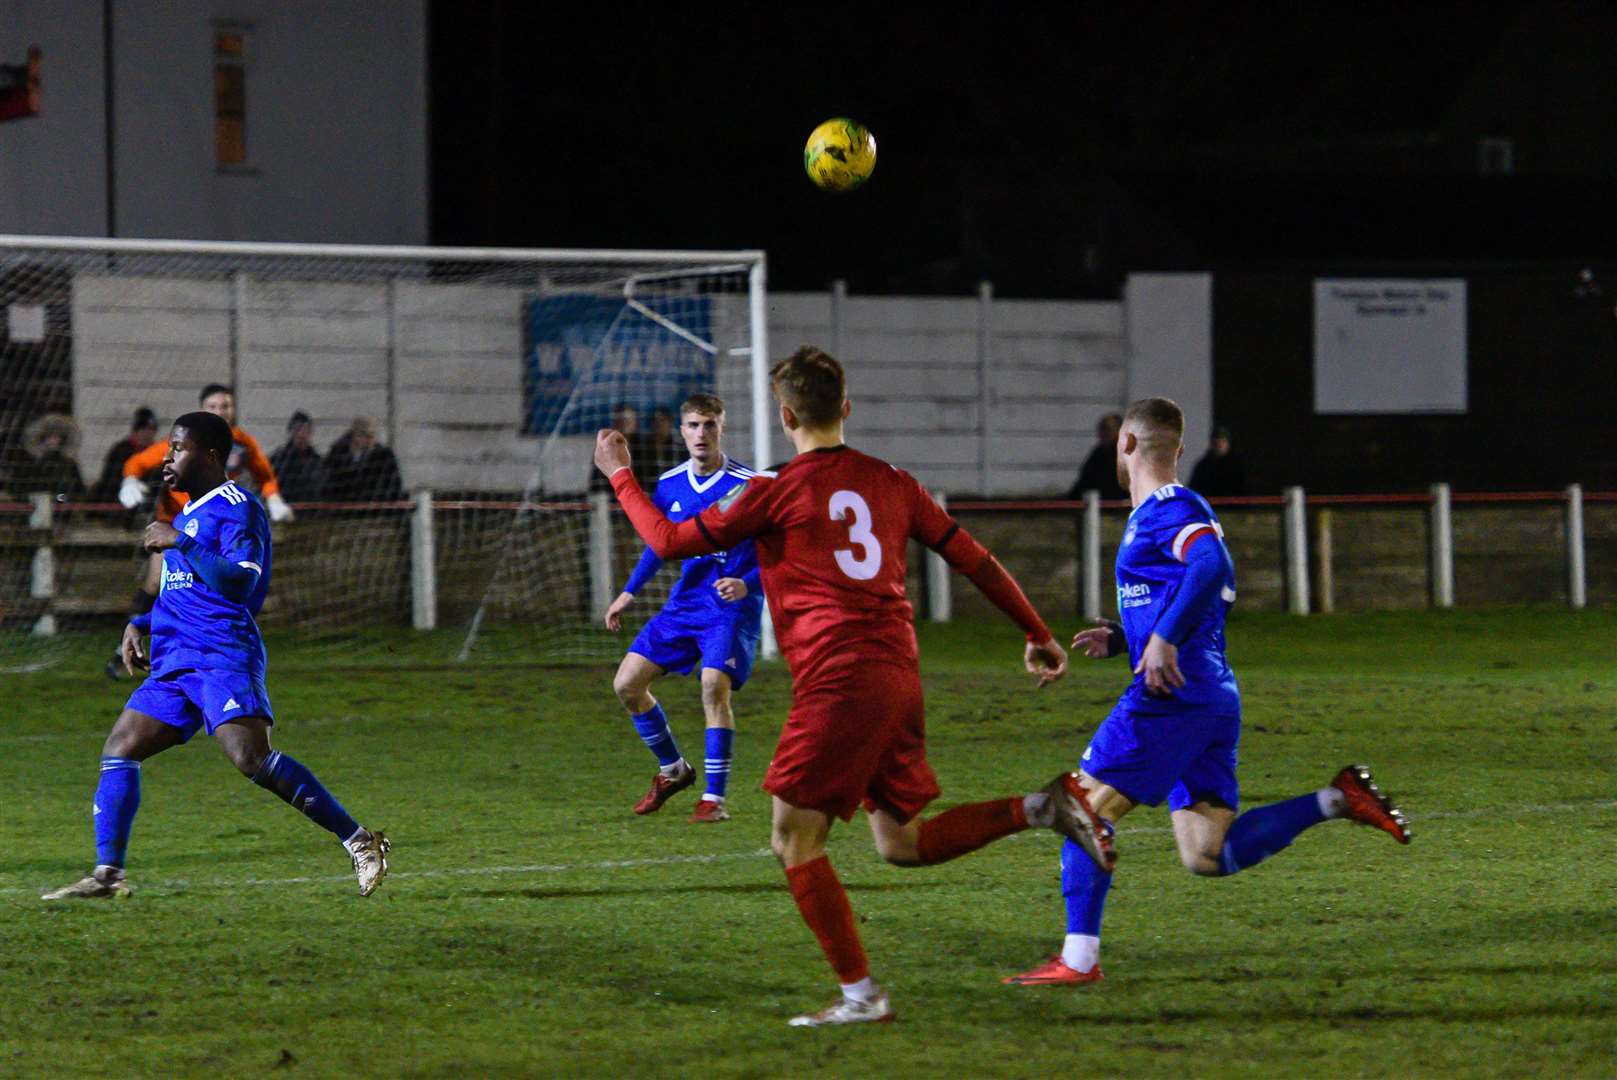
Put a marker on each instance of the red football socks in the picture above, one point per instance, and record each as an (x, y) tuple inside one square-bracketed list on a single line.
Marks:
[(967, 828), (824, 904)]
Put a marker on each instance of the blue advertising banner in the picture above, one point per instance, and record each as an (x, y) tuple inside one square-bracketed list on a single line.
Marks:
[(587, 355)]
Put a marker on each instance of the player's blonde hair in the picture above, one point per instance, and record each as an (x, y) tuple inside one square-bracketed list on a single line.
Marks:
[(811, 383), (702, 405), (1159, 425)]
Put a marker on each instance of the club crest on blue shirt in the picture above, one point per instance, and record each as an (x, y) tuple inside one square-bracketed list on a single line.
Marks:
[(1128, 535), (191, 528)]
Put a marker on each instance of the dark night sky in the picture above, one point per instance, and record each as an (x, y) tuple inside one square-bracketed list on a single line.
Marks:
[(1050, 151)]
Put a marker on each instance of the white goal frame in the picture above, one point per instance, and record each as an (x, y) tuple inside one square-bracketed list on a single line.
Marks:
[(752, 262)]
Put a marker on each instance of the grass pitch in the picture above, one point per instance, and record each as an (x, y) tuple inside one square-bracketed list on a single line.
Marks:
[(534, 927)]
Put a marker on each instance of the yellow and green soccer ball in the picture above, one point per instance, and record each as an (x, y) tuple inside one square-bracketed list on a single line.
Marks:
[(840, 155)]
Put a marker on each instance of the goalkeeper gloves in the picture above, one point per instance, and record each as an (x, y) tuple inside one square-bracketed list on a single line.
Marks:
[(131, 493), (277, 507)]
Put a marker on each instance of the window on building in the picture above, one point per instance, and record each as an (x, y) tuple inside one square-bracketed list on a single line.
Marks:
[(230, 95)]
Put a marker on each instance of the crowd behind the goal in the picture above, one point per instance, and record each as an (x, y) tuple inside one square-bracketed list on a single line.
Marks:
[(359, 467)]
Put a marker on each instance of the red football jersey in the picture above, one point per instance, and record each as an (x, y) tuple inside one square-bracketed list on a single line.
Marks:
[(832, 529)]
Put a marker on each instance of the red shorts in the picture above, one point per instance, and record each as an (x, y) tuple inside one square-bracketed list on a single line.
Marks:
[(857, 738)]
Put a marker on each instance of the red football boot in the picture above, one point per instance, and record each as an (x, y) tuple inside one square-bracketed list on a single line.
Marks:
[(1366, 804), (1054, 972), (663, 788), (708, 811), (1078, 822)]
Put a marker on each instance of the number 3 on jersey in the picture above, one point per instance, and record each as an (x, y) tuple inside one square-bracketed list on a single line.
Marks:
[(867, 563)]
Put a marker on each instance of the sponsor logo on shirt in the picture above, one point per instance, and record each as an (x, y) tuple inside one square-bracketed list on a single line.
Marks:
[(1133, 596), (177, 579)]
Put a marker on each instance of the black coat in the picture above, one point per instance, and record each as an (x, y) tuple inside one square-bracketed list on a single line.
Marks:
[(372, 478)]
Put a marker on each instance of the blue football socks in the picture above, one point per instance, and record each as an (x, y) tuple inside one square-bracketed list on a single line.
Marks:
[(117, 797), (1084, 886), (657, 735), (1266, 830), (283, 775), (717, 762)]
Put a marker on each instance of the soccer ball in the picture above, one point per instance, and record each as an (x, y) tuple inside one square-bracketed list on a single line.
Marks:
[(840, 155)]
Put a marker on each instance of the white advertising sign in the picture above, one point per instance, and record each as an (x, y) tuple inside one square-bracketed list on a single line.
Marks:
[(1389, 346)]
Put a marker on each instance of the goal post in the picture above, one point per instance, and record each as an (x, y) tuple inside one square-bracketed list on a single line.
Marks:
[(484, 371)]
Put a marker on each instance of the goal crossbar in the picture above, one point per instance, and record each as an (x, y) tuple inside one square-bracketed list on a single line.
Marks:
[(378, 251)]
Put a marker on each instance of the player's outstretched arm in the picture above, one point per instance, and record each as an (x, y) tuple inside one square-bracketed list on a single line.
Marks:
[(938, 531), (716, 529)]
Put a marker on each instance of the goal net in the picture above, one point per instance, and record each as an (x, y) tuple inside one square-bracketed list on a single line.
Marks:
[(451, 396)]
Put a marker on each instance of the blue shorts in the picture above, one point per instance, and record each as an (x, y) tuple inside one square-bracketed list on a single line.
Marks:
[(1182, 754), (677, 638), (190, 699)]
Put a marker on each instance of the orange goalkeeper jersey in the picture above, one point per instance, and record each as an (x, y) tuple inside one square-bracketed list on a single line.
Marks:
[(245, 455)]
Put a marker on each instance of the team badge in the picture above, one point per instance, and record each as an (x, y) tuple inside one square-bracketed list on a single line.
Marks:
[(1128, 536), (191, 528)]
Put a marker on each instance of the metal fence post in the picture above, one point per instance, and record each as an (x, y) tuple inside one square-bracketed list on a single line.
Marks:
[(42, 572), (1091, 557), (1577, 584), (1441, 571), (939, 599), (1325, 577), (1295, 532), (601, 595), (423, 565)]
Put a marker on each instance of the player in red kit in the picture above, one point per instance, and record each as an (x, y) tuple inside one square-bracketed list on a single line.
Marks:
[(831, 530)]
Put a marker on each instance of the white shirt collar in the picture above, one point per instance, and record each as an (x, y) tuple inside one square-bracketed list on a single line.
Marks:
[(194, 503), (701, 484)]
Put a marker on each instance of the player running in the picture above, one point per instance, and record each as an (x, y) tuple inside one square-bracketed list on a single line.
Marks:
[(831, 530), (1173, 733), (207, 662), (245, 455), (712, 618)]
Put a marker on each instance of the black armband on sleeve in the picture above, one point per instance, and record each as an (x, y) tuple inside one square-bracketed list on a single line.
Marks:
[(1116, 640)]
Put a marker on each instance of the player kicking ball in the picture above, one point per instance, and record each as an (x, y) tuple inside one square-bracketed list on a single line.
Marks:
[(1173, 734), (711, 618), (831, 529), (207, 663)]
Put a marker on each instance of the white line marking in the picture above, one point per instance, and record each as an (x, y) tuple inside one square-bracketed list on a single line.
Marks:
[(183, 884)]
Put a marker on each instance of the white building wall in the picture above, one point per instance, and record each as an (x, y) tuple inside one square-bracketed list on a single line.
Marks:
[(1170, 349), (336, 122), (439, 366), (983, 399), (53, 177)]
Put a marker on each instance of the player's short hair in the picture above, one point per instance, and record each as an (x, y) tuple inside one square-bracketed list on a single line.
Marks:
[(208, 431), (702, 405), (812, 384), (212, 389), (1160, 426), (144, 418)]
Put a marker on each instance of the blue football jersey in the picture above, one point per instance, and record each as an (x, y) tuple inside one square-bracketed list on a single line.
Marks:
[(1150, 569), (680, 494), (192, 625)]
